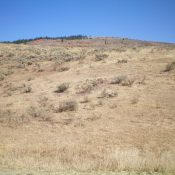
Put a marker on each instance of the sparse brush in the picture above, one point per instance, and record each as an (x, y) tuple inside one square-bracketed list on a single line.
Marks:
[(38, 68), (18, 88), (84, 88), (122, 61), (33, 111), (69, 105), (127, 82), (39, 113), (107, 94), (27, 89), (7, 72), (68, 58), (13, 118), (170, 66), (82, 55), (43, 101), (1, 77), (123, 80), (100, 57), (118, 79), (62, 87), (29, 63), (57, 65), (88, 85), (62, 69)]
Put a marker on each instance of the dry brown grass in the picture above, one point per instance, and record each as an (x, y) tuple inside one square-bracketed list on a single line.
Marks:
[(131, 126), (84, 158)]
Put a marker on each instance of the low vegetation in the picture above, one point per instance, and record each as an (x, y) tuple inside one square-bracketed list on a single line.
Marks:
[(100, 57), (63, 69), (170, 66), (122, 61), (107, 93), (1, 77), (123, 80), (62, 87), (93, 106), (39, 113), (69, 105)]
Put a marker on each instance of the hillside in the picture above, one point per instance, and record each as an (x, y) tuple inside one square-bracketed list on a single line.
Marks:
[(100, 104)]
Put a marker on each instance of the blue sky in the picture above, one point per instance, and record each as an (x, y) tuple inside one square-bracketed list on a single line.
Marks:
[(138, 19)]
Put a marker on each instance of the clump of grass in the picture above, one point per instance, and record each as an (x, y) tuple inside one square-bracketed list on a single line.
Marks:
[(100, 57), (63, 69), (38, 68), (27, 89), (127, 82), (123, 80), (18, 88), (107, 94), (68, 58), (88, 85), (7, 72), (33, 112), (1, 77), (69, 105), (58, 66), (118, 79), (43, 101), (122, 61), (62, 87), (84, 88), (29, 63), (170, 66), (38, 113), (11, 118)]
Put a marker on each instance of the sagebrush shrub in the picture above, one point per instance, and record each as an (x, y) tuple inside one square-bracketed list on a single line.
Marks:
[(67, 106), (62, 87), (170, 67)]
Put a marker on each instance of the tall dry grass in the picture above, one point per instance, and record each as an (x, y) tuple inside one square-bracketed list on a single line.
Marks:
[(86, 158)]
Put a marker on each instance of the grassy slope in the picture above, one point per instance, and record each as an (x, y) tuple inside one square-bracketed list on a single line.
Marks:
[(132, 130)]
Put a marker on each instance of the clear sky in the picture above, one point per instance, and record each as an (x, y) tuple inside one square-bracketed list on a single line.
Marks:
[(138, 19)]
